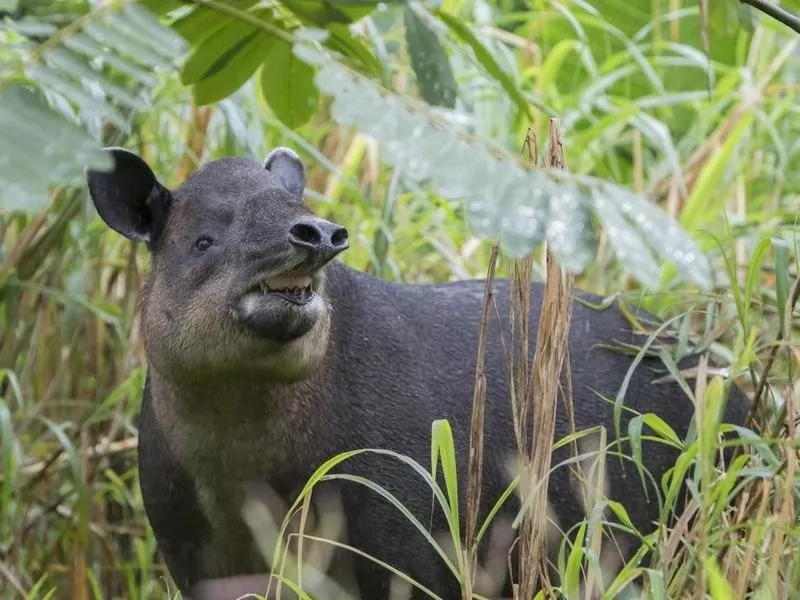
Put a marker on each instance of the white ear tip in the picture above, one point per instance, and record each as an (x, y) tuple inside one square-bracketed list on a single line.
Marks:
[(278, 152)]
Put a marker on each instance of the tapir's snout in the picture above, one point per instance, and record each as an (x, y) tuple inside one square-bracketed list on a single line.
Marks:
[(322, 239)]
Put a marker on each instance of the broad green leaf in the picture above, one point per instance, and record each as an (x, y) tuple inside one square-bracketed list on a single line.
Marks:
[(463, 31), (664, 235), (429, 61), (203, 22), (215, 54), (70, 64), (48, 151), (288, 86), (56, 82), (235, 73), (116, 38), (326, 12), (90, 48), (135, 22), (501, 199), (723, 17), (629, 246), (747, 17), (571, 233), (161, 7)]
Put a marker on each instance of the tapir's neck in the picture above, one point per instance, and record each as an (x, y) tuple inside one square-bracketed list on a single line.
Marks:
[(227, 400)]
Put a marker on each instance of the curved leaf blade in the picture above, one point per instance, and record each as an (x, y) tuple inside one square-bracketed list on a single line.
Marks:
[(485, 58), (435, 77), (236, 72), (291, 95)]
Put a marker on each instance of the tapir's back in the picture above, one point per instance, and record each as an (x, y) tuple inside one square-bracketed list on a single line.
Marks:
[(405, 356)]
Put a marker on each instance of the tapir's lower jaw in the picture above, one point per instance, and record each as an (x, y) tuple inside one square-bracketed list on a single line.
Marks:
[(279, 316)]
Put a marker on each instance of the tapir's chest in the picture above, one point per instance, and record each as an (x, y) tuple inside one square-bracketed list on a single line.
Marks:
[(228, 456), (232, 463)]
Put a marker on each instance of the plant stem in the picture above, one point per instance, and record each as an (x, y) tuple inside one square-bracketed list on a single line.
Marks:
[(781, 15)]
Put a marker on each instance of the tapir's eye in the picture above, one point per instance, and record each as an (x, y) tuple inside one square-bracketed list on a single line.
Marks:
[(203, 243)]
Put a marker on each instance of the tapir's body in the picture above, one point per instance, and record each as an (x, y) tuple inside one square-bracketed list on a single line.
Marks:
[(386, 362)]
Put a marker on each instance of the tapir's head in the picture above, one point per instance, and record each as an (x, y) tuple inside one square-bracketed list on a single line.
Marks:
[(238, 262)]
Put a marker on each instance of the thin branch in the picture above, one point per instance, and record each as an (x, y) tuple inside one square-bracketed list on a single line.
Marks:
[(781, 15)]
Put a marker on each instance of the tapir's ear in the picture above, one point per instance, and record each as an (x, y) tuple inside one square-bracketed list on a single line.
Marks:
[(129, 198), (288, 168)]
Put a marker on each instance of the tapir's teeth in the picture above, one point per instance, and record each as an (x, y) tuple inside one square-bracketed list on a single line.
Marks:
[(297, 285), (289, 282)]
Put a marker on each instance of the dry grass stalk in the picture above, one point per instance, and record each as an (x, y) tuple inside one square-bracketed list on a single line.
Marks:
[(476, 432), (195, 142), (550, 355)]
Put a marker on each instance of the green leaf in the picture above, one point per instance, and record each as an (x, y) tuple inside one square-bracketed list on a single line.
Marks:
[(114, 37), (341, 40), (324, 13), (236, 71), (658, 588), (288, 86), (662, 428), (161, 7), (203, 22), (488, 62), (85, 45), (55, 81), (718, 586), (782, 279), (571, 232), (65, 61), (704, 200), (723, 17), (574, 560), (630, 248), (664, 235), (754, 269), (48, 151), (443, 447), (429, 61), (10, 461), (501, 199), (220, 50)]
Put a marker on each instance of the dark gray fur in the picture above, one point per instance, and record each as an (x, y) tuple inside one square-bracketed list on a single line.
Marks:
[(222, 411)]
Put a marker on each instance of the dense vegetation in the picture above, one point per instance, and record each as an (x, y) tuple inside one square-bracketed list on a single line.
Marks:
[(671, 111)]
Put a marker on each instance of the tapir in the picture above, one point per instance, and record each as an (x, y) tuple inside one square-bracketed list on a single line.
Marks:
[(267, 355)]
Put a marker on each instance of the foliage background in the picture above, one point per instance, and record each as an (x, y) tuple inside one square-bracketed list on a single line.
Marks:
[(703, 119)]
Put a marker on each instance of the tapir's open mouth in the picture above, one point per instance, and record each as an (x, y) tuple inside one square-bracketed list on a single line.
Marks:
[(281, 307), (297, 289)]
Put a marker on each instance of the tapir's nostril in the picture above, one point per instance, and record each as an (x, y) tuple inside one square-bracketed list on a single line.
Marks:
[(305, 234), (319, 236), (339, 238)]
